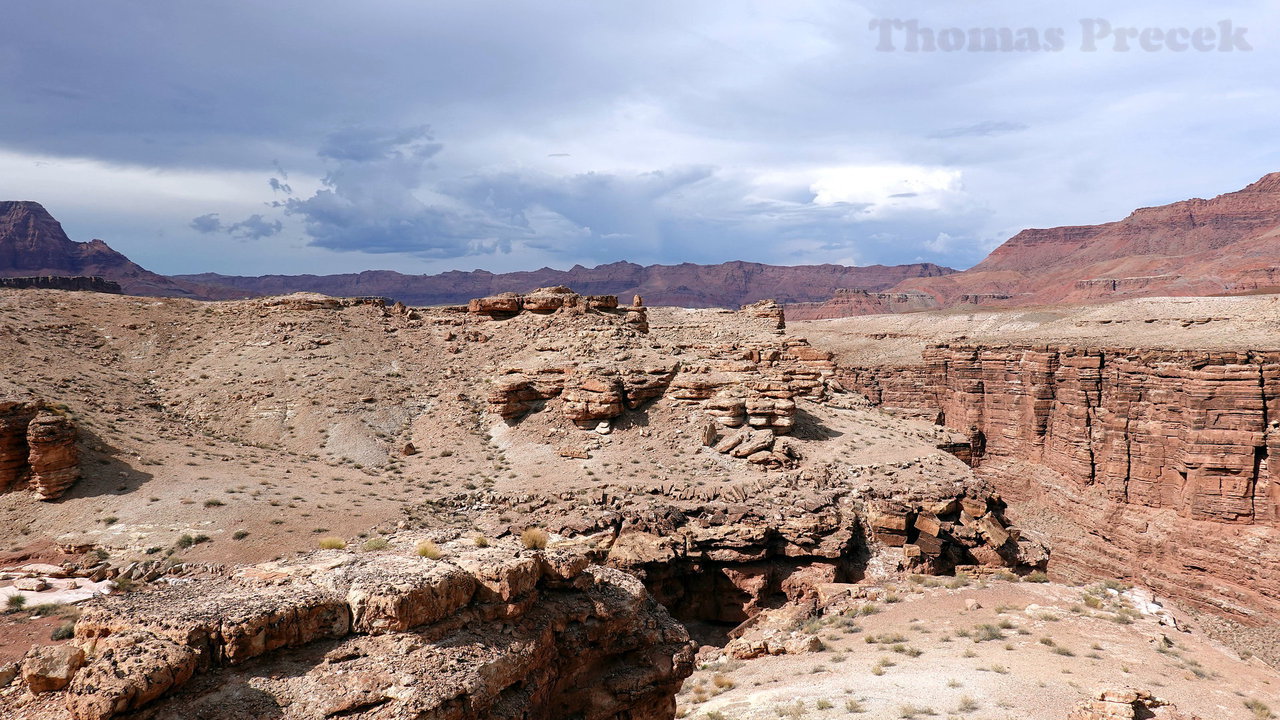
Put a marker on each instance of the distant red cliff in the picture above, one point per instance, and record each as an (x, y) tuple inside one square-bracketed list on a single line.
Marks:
[(1227, 245)]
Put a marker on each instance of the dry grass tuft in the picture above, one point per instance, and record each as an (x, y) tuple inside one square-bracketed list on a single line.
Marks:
[(534, 538)]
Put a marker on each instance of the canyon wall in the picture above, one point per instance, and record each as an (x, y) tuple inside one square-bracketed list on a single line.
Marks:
[(1149, 464)]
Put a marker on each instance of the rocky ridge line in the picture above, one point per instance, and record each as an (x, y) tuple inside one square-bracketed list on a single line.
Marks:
[(481, 633)]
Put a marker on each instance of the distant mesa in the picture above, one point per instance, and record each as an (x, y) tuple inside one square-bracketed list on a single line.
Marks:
[(1229, 245), (1226, 245), (77, 283), (726, 285), (34, 245)]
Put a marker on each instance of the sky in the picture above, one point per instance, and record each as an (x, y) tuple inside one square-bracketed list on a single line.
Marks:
[(315, 136)]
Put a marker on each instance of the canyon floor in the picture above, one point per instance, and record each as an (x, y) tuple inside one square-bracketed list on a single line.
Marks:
[(987, 650), (215, 436)]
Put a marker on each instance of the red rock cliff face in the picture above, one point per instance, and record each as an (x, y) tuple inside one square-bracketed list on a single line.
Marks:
[(1153, 465), (14, 418), (37, 446), (1224, 245), (1182, 430)]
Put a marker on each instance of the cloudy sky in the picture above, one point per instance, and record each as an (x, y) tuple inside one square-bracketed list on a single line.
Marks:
[(425, 135)]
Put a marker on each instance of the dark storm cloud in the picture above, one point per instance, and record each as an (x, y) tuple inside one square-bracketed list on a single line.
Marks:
[(581, 130), (207, 223), (384, 194), (369, 202), (254, 227)]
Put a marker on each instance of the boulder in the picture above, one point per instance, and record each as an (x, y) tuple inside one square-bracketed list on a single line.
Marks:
[(393, 594), (51, 667), (1126, 704), (126, 672), (31, 584), (591, 396)]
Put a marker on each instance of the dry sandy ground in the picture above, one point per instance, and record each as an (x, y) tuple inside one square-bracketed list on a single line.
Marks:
[(265, 425), (1029, 652), (1228, 323)]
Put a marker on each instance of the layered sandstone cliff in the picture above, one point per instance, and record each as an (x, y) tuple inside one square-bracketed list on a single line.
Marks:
[(37, 449), (1186, 430), (1155, 465), (1225, 244)]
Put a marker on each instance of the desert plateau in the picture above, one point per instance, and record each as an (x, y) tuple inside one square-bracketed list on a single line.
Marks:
[(639, 361)]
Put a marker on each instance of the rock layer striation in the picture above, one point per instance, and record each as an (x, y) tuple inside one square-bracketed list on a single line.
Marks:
[(37, 449)]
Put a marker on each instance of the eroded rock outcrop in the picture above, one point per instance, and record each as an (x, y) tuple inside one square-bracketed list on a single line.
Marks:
[(590, 393), (542, 300), (37, 448), (1127, 705), (769, 310), (724, 555), (54, 459), (726, 562), (484, 633), (737, 385)]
